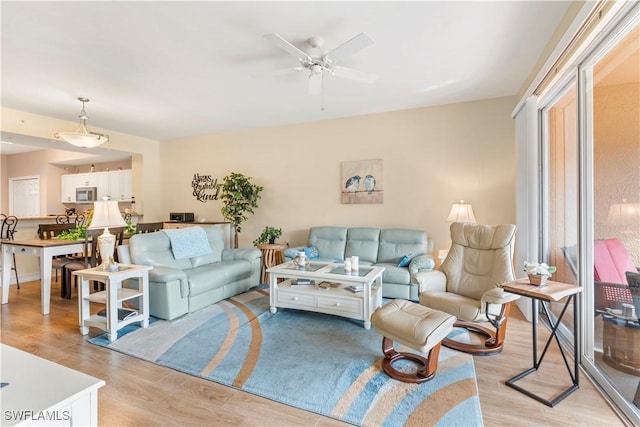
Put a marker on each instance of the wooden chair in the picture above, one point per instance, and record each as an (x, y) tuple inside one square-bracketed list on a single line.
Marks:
[(7, 231), (49, 231), (91, 256), (148, 227)]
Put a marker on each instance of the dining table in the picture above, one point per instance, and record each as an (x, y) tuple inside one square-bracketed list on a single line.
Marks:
[(46, 250)]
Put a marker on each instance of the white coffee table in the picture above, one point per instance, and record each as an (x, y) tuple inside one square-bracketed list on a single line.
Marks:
[(337, 301)]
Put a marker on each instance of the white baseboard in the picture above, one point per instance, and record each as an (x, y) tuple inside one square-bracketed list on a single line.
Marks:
[(23, 278)]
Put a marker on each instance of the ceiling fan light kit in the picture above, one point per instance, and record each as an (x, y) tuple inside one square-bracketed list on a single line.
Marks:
[(82, 137), (318, 62)]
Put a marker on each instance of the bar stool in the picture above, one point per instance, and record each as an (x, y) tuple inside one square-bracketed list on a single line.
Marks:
[(9, 224)]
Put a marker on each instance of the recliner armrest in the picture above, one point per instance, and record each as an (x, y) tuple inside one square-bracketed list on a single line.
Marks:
[(430, 281), (498, 296)]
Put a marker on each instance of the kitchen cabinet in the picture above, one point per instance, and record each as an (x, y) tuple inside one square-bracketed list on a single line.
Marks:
[(117, 185), (68, 189), (120, 185)]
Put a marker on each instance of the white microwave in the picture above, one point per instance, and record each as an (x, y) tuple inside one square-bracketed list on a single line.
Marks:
[(86, 194)]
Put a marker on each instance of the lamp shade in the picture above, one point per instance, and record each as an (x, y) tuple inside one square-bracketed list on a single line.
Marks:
[(461, 212), (82, 139), (106, 213), (624, 214)]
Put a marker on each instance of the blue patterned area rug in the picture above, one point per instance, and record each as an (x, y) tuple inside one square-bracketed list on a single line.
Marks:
[(320, 363)]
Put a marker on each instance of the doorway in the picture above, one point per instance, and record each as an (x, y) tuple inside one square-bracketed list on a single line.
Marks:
[(24, 196)]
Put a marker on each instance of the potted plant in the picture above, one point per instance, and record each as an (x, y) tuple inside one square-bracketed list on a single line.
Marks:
[(538, 272), (239, 197), (269, 234)]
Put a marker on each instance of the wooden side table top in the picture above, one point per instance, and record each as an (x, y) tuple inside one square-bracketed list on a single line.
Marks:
[(272, 246), (553, 291)]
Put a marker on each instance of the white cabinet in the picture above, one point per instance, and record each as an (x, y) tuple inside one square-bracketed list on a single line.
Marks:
[(101, 180), (117, 185), (120, 185), (68, 189)]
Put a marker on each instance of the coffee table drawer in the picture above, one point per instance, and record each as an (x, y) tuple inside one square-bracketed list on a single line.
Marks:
[(351, 306), (295, 299)]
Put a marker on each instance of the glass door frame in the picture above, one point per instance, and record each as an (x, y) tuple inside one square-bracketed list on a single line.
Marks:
[(616, 32), (581, 75)]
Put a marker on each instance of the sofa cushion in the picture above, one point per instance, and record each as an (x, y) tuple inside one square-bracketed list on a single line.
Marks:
[(396, 243), (394, 274), (154, 249), (206, 278), (216, 242), (363, 243), (330, 241), (236, 270)]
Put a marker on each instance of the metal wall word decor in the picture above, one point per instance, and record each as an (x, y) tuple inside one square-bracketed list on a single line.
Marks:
[(205, 187)]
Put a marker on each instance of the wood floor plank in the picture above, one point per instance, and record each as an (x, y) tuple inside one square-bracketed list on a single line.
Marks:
[(139, 393)]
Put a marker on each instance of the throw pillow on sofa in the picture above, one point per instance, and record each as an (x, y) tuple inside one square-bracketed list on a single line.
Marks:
[(405, 261), (291, 253), (311, 252)]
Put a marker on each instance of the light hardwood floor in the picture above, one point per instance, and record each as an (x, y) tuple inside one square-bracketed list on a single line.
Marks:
[(140, 393)]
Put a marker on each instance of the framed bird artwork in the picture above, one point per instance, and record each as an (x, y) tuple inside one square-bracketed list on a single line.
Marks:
[(361, 181)]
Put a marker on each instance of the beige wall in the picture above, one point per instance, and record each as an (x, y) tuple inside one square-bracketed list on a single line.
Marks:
[(432, 158)]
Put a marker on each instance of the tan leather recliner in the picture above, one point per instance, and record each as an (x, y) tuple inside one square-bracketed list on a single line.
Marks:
[(467, 284)]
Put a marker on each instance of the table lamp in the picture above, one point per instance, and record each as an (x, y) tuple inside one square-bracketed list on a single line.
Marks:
[(461, 212), (106, 213)]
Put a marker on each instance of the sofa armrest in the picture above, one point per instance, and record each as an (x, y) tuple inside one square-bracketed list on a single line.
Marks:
[(421, 263), (430, 281), (246, 254), (167, 274)]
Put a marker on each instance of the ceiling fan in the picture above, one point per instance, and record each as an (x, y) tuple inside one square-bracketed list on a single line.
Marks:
[(318, 62)]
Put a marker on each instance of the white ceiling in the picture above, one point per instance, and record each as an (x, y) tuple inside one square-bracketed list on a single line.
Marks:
[(167, 70)]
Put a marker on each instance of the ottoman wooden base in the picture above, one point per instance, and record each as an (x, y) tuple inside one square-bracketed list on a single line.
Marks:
[(426, 366), (417, 327)]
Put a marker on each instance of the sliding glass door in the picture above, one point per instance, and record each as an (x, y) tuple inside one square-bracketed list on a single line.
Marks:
[(611, 82), (590, 199)]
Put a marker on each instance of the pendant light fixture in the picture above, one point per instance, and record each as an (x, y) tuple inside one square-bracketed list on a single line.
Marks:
[(82, 137)]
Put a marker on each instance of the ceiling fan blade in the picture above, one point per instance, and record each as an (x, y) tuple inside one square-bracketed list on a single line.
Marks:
[(280, 72), (288, 47), (349, 47), (315, 83), (350, 73)]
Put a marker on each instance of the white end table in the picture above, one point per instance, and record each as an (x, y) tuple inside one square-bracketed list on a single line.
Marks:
[(113, 296)]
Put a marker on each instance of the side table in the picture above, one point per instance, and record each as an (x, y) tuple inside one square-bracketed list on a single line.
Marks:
[(553, 291), (113, 296), (621, 340), (272, 255)]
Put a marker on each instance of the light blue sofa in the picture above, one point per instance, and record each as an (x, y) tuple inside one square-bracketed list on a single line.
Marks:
[(375, 246), (180, 286)]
